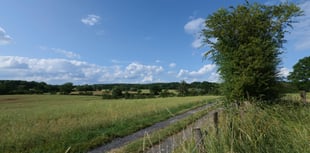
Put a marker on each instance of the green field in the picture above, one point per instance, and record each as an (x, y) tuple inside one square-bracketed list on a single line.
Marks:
[(53, 123)]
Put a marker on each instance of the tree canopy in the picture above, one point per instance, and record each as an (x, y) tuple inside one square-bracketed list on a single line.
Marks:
[(245, 43), (301, 74)]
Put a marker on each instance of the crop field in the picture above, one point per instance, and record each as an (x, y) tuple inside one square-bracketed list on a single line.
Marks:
[(55, 123)]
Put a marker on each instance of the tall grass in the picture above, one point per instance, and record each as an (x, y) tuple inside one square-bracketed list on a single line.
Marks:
[(259, 129), (53, 123)]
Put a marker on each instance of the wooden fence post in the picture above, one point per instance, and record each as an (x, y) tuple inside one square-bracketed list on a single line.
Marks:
[(216, 122), (199, 140), (303, 96)]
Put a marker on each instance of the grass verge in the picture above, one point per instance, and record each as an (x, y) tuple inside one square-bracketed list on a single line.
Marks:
[(283, 127), (141, 145)]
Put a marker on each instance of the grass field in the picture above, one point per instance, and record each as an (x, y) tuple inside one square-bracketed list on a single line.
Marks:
[(283, 127), (53, 123)]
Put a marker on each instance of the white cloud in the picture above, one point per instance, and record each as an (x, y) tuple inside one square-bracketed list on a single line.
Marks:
[(214, 77), (172, 65), (58, 71), (197, 43), (202, 71), (300, 35), (136, 70), (68, 54), (205, 73), (4, 38), (91, 19), (148, 78), (194, 28), (182, 73), (284, 72), (63, 52)]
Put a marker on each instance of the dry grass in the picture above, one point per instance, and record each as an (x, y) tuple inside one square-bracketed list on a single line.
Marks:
[(283, 127)]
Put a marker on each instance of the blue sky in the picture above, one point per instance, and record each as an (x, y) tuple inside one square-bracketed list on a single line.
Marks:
[(118, 41)]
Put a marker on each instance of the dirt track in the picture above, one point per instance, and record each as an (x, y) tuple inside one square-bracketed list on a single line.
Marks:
[(169, 144), (119, 142)]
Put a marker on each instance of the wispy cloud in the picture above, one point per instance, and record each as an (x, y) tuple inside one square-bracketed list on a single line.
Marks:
[(91, 19), (158, 61), (172, 65), (4, 37), (66, 53), (300, 35), (193, 27)]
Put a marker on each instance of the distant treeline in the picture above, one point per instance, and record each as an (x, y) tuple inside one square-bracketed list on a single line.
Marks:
[(32, 87), (161, 89)]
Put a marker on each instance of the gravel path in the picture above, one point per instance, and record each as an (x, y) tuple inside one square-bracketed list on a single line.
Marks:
[(119, 142)]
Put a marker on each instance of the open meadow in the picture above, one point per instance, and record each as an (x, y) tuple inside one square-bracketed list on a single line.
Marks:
[(54, 123)]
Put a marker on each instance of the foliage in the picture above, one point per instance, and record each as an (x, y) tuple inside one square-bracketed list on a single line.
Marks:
[(129, 91), (301, 74), (117, 93), (66, 88), (245, 43), (183, 88), (25, 87), (167, 93), (155, 90)]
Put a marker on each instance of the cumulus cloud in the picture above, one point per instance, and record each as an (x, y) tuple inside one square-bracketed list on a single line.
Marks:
[(284, 72), (136, 70), (202, 71), (4, 38), (91, 19), (193, 28), (58, 71), (205, 73)]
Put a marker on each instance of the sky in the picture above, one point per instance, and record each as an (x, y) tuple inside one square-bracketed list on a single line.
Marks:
[(120, 41)]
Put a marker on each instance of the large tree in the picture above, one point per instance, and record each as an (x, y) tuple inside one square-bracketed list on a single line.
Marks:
[(66, 88), (245, 43), (301, 74)]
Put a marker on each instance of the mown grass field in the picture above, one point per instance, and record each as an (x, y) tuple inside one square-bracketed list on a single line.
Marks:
[(53, 123)]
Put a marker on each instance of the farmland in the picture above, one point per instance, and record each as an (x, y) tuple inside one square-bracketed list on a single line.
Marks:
[(53, 123)]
